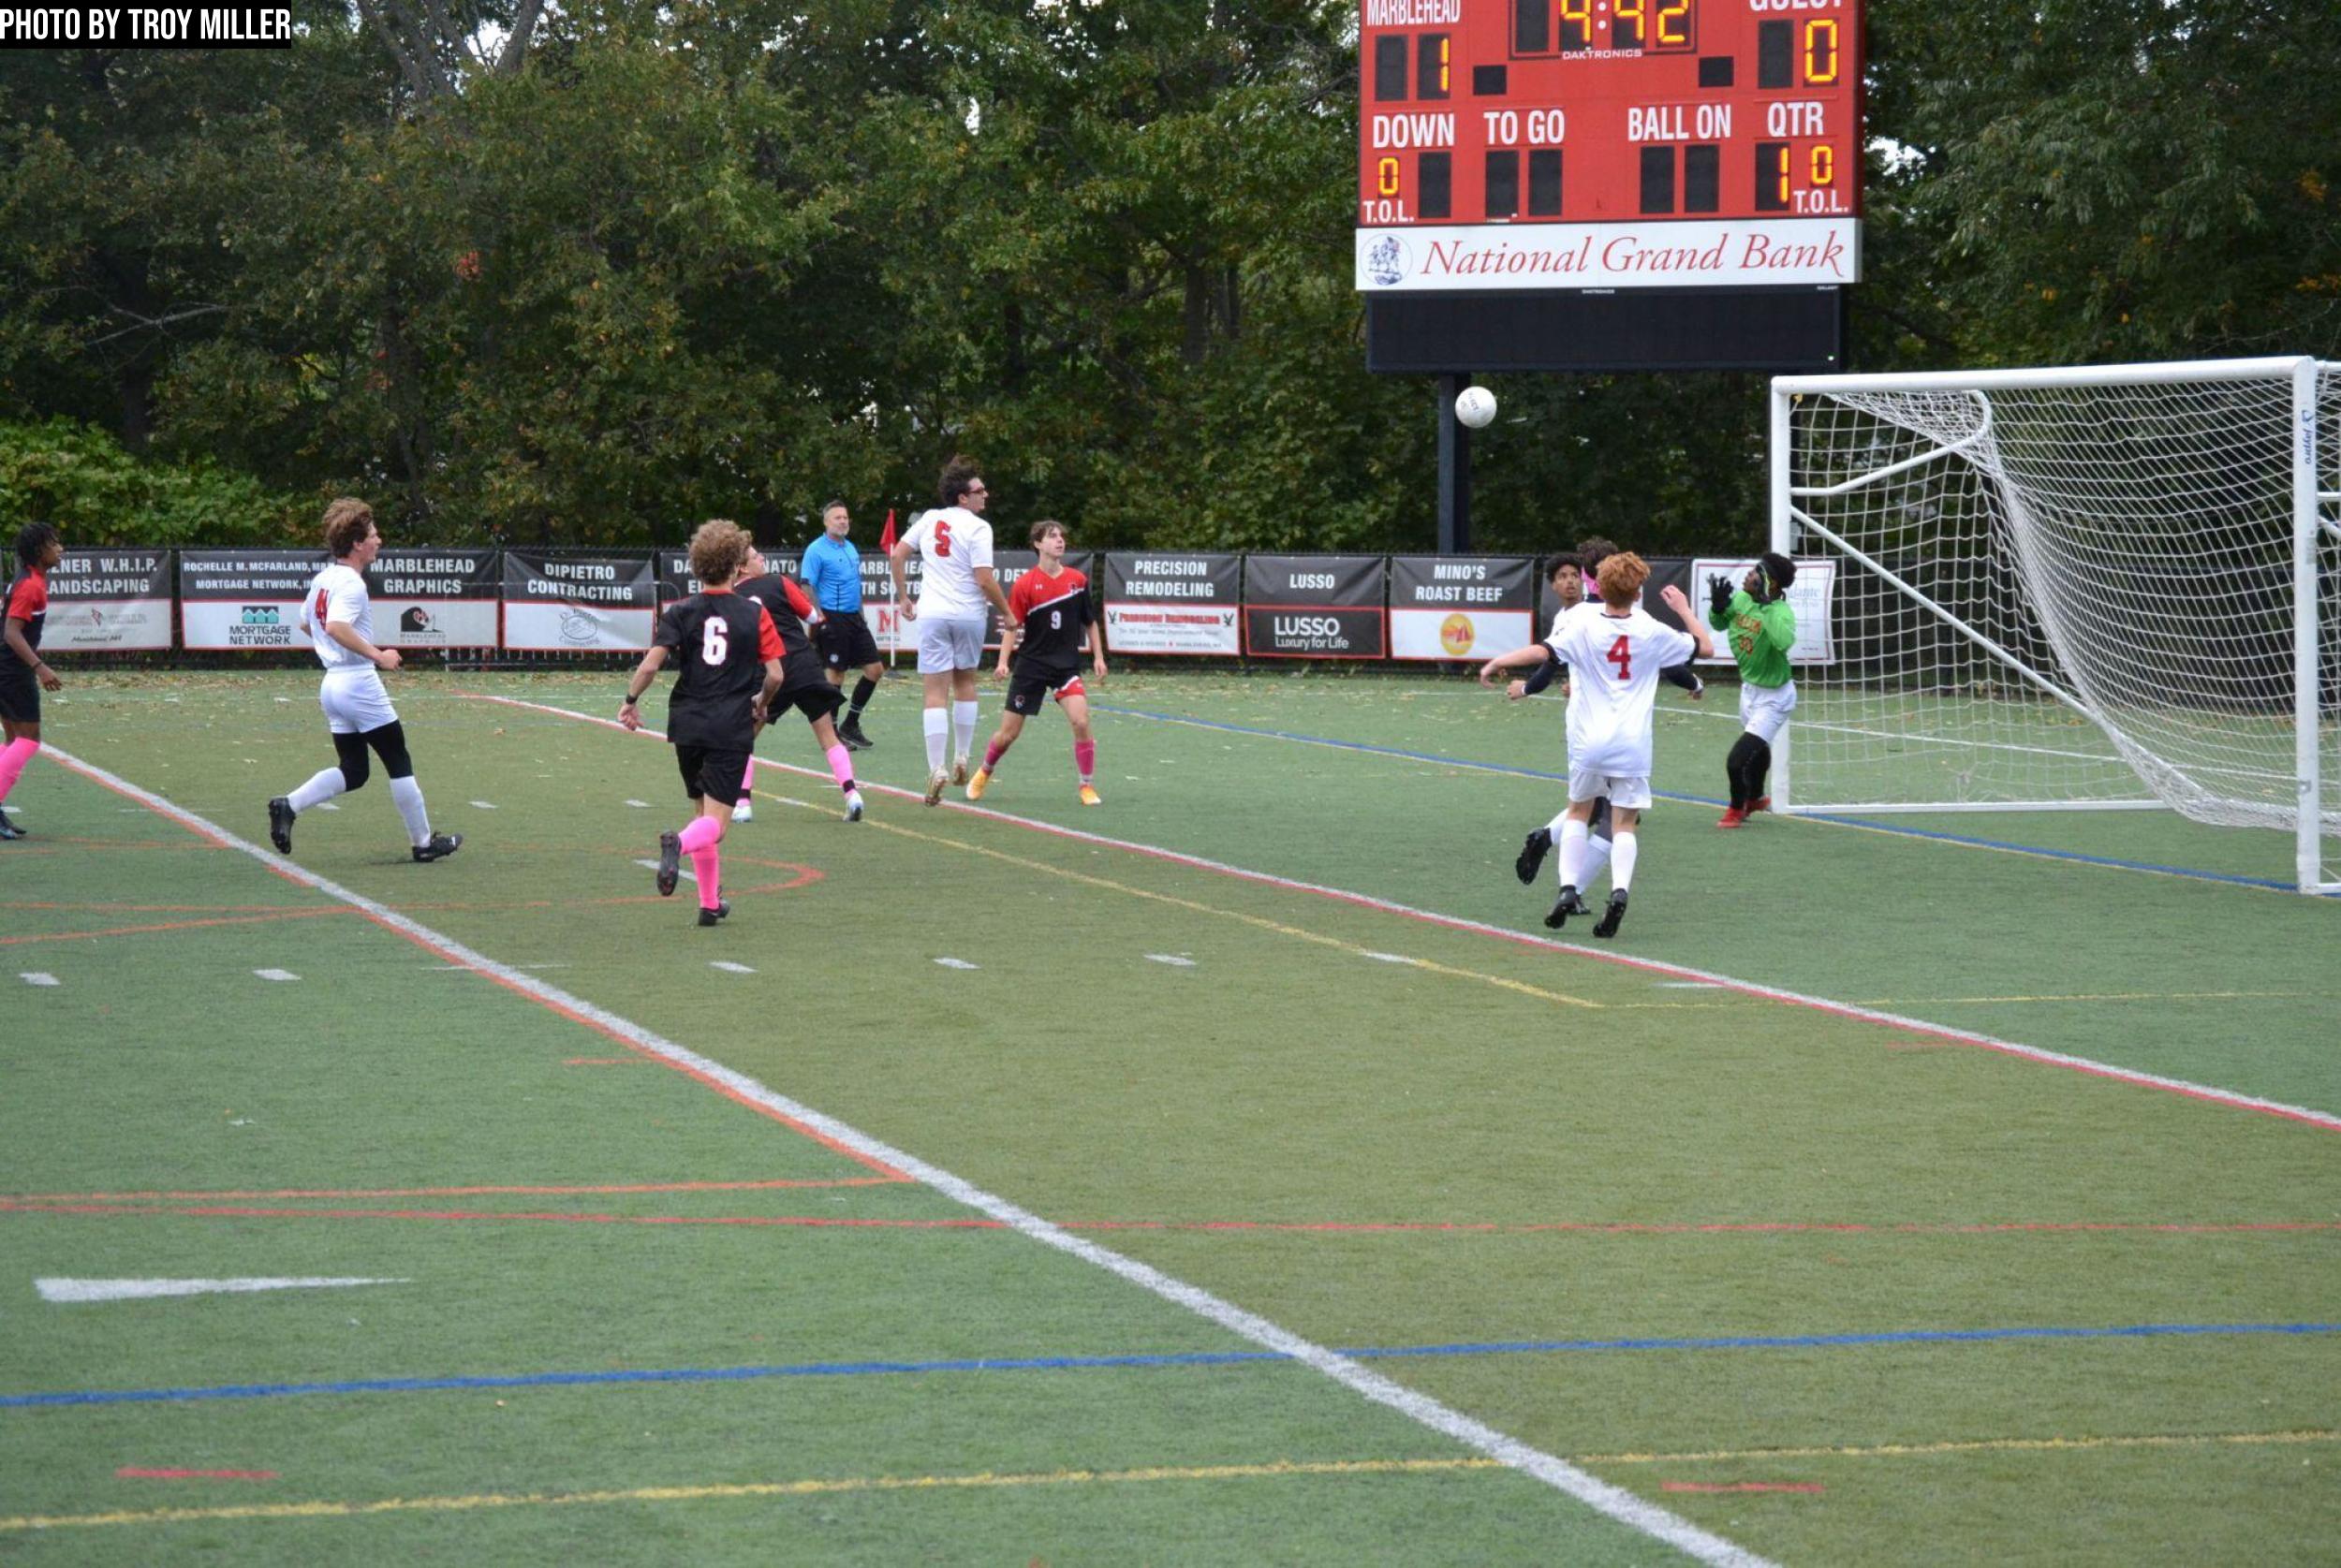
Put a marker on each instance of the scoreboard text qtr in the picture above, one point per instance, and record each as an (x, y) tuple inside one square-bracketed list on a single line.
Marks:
[(1530, 144)]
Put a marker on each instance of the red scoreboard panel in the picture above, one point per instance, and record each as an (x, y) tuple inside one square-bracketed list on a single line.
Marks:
[(1604, 150)]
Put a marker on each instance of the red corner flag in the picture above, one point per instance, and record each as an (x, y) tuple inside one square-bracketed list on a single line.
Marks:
[(886, 540)]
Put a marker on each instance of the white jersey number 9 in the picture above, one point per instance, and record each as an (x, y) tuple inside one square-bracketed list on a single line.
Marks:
[(714, 640)]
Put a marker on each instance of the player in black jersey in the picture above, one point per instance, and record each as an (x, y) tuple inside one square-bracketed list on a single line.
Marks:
[(22, 675), (803, 685), (1048, 611), (727, 653)]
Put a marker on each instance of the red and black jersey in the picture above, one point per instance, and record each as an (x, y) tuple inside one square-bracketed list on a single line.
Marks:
[(1051, 612), (28, 602), (787, 604), (718, 642)]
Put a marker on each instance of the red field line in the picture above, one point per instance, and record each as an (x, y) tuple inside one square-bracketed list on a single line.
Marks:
[(239, 1212), (171, 926), (1748, 1227), (540, 1190), (1741, 1486), (140, 1473), (146, 908)]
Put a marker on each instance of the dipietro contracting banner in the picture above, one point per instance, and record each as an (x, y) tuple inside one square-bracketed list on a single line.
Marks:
[(1165, 603), (244, 598), (1460, 606), (434, 598), (1314, 606), (557, 601), (106, 600)]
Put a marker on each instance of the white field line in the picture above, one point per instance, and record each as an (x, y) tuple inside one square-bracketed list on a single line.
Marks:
[(1175, 961), (729, 967), (37, 978), (1558, 1474), (276, 975), (2325, 1119), (956, 963), (142, 1290)]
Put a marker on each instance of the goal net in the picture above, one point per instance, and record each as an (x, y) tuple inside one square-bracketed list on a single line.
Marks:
[(2083, 588)]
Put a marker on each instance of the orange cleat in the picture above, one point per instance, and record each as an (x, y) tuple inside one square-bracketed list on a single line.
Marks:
[(1733, 817)]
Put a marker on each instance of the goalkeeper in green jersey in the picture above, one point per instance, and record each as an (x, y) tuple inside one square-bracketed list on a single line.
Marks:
[(1761, 627)]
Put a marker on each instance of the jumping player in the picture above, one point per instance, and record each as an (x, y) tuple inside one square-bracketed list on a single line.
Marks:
[(338, 615), (1048, 610), (1760, 625), (954, 546), (728, 654), (833, 570), (803, 687), (22, 675)]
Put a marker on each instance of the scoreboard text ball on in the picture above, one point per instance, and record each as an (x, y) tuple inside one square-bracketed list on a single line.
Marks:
[(1607, 185)]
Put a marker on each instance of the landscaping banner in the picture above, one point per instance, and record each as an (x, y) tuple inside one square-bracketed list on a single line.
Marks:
[(1454, 606), (1314, 606), (107, 600)]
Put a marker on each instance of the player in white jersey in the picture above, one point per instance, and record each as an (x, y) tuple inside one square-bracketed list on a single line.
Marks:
[(955, 578), (1614, 657), (338, 615)]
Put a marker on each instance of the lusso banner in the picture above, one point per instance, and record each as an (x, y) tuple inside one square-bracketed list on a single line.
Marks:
[(1460, 606), (434, 598), (1313, 606), (560, 601), (1164, 602), (245, 598), (102, 600)]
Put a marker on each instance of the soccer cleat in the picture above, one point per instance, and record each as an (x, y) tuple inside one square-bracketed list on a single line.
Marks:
[(715, 915), (1606, 924), (1532, 853), (670, 863), (280, 821), (976, 782), (744, 812), (959, 771), (937, 783), (1761, 803), (1569, 903), (9, 829), (850, 733), (853, 805), (1733, 816), (1090, 796), (440, 847)]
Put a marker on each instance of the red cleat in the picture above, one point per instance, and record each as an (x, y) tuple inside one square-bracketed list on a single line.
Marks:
[(1733, 817), (1761, 803)]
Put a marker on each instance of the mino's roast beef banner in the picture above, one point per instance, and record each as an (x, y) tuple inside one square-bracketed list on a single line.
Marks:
[(1313, 606), (560, 601), (245, 598), (1450, 606), (1162, 603), (434, 598), (107, 600)]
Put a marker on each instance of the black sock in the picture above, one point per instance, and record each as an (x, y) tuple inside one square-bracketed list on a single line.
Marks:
[(1736, 771), (1759, 765), (861, 689)]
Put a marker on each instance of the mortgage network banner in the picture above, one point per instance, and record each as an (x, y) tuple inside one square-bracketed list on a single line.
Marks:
[(565, 601), (243, 599), (1314, 606), (434, 598), (1168, 602), (1460, 606), (108, 600)]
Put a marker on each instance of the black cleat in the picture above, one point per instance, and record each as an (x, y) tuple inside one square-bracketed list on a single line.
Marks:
[(1532, 854), (9, 829), (670, 863), (1607, 924), (850, 733), (440, 847), (1569, 903), (280, 821), (715, 915)]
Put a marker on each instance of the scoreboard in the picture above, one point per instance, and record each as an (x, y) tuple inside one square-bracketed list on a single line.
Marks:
[(1679, 180)]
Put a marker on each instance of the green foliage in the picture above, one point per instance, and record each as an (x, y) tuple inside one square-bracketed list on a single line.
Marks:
[(82, 481)]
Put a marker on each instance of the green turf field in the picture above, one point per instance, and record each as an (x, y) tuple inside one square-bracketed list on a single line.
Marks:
[(1828, 1213)]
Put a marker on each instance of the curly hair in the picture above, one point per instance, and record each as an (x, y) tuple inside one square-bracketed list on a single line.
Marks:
[(1621, 578), (33, 541), (719, 547), (959, 477)]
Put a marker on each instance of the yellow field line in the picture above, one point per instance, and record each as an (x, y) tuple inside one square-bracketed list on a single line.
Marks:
[(1980, 1445), (1259, 922), (1942, 1001), (327, 1510)]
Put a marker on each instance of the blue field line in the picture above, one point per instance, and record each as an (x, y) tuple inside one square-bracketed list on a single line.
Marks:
[(1182, 1358), (1968, 839)]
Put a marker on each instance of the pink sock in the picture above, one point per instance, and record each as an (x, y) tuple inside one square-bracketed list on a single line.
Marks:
[(708, 866), (1085, 757), (748, 780), (703, 832), (13, 756), (840, 766), (992, 753)]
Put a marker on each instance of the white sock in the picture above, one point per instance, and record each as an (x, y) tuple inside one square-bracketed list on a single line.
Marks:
[(408, 796), (962, 730), (1573, 853), (322, 787), (1623, 849), (1597, 856), (939, 723), (1554, 826)]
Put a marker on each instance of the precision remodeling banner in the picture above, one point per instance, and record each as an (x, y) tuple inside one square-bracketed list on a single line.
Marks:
[(107, 600), (434, 598), (1161, 603), (244, 598), (1460, 607), (562, 601), (1009, 564), (1313, 606)]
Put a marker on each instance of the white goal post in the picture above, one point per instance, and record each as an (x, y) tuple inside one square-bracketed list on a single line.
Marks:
[(2072, 588)]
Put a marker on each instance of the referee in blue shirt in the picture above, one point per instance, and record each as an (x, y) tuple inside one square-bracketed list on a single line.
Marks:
[(833, 570)]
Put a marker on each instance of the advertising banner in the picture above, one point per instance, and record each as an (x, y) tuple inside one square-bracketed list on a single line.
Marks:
[(108, 600), (676, 581), (1460, 606), (244, 598), (1314, 606), (1164, 602), (1009, 564), (566, 601), (878, 602), (1811, 595), (434, 598)]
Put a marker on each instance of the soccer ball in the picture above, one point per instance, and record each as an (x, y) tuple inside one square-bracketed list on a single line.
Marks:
[(1476, 406)]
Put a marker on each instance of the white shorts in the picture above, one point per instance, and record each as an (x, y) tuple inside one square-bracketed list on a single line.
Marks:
[(355, 702), (1763, 710), (950, 642), (1586, 784)]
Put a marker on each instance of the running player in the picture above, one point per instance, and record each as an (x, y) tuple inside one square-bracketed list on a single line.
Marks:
[(728, 655), (22, 675), (1761, 627), (1048, 611), (803, 685), (954, 546), (833, 570), (338, 615)]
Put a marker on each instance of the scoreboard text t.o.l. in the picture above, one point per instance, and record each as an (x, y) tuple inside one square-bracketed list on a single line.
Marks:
[(1643, 165)]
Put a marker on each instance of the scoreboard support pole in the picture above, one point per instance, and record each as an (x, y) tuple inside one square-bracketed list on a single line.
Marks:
[(1454, 469)]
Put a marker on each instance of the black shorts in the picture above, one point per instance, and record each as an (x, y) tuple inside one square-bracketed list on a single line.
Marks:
[(19, 693), (845, 641), (712, 772), (819, 700), (1028, 686)]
